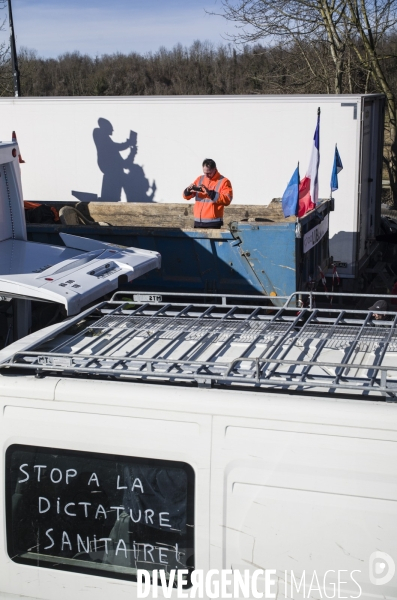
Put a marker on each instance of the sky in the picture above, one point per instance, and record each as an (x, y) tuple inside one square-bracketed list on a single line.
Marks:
[(96, 27)]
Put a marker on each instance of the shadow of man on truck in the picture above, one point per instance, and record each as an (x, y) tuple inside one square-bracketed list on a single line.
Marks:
[(136, 186), (114, 167), (110, 161)]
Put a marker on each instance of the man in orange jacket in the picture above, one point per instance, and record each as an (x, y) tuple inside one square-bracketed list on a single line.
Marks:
[(212, 192)]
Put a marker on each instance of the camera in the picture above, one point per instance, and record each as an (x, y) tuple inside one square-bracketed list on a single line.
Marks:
[(196, 188)]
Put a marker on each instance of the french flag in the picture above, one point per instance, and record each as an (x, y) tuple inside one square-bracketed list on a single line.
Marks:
[(308, 187)]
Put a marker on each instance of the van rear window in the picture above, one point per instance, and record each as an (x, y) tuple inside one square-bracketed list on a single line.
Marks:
[(101, 514)]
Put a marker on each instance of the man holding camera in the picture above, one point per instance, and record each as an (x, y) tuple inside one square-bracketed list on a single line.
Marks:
[(211, 191)]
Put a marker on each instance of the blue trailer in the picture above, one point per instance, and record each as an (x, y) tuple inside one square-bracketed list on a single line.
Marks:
[(258, 251)]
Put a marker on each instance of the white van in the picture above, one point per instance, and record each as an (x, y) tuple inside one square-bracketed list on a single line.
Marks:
[(200, 435)]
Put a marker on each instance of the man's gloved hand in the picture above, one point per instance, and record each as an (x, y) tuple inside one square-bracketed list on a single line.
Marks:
[(210, 193), (188, 190)]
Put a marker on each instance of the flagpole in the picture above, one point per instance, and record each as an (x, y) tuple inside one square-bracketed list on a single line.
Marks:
[(14, 56), (330, 187), (318, 159), (298, 232)]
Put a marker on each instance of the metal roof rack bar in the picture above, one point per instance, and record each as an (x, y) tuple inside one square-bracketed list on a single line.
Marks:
[(287, 299), (282, 338), (278, 381), (71, 340), (352, 348), (292, 342), (380, 357), (245, 345)]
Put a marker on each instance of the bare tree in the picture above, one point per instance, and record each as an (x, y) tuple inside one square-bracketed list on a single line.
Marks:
[(5, 57), (355, 33), (296, 23), (370, 23)]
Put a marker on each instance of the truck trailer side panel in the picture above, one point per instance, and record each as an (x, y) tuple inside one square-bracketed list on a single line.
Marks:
[(260, 141)]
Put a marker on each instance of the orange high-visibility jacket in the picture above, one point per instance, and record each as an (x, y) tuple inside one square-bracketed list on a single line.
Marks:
[(210, 210)]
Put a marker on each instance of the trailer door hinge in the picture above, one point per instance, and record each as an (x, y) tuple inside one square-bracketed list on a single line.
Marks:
[(353, 105)]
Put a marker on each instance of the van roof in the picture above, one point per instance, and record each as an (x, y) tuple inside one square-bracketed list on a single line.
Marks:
[(213, 340)]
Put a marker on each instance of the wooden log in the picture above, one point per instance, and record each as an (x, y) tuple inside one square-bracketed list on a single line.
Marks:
[(179, 215)]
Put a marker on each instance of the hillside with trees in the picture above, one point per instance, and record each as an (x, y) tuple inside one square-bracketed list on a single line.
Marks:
[(198, 69)]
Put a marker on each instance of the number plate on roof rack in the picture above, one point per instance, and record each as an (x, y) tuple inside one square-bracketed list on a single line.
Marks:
[(147, 298), (55, 361)]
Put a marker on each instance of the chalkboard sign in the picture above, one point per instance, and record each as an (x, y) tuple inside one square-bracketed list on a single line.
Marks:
[(101, 514)]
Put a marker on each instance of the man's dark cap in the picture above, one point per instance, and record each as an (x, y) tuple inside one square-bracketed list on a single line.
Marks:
[(379, 305)]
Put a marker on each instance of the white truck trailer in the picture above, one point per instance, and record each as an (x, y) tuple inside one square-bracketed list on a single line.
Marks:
[(200, 435), (257, 142)]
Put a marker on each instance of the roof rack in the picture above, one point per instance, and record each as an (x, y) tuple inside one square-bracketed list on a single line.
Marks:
[(211, 341)]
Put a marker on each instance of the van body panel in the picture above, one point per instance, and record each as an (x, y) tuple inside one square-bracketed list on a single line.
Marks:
[(283, 482), (130, 432), (276, 487)]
